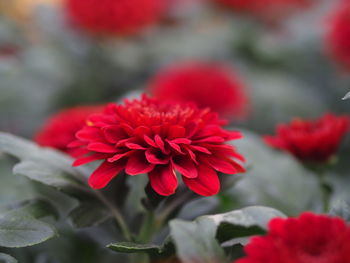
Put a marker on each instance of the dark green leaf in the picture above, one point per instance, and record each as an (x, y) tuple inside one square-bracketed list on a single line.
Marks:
[(44, 165), (4, 258), (128, 247), (198, 241), (37, 208), (42, 173), (20, 230), (89, 214), (275, 179), (195, 242)]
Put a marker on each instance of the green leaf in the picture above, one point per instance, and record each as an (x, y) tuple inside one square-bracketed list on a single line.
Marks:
[(128, 247), (244, 223), (199, 241), (155, 252), (42, 173), (20, 230), (44, 165), (37, 208), (341, 208), (4, 258), (89, 214), (275, 179), (195, 241)]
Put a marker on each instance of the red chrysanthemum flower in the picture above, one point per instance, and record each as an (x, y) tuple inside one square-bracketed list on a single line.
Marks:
[(267, 10), (158, 138), (311, 141), (309, 238), (206, 84), (110, 17), (338, 38), (61, 128)]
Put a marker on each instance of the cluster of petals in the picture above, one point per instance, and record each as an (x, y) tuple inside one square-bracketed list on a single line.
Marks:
[(61, 128), (338, 37), (206, 84), (267, 10), (150, 136), (310, 238), (311, 141), (114, 17)]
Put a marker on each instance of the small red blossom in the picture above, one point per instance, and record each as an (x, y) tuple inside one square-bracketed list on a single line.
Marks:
[(114, 17), (267, 10), (206, 84), (314, 141), (158, 138), (309, 238), (338, 37), (60, 129)]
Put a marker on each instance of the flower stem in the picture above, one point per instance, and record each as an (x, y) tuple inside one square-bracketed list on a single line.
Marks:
[(116, 214), (147, 228), (81, 176), (326, 192)]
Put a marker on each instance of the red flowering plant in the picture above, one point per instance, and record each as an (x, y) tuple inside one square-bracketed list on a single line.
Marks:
[(60, 129), (267, 10), (310, 238), (338, 35), (150, 136), (314, 141), (113, 17), (206, 84)]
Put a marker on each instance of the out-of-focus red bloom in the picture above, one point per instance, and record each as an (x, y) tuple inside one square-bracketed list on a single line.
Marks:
[(158, 138), (114, 17), (311, 141), (206, 84), (267, 10), (61, 128), (309, 238), (338, 38)]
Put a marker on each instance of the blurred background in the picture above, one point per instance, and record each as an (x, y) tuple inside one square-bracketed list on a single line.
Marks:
[(56, 54), (48, 61)]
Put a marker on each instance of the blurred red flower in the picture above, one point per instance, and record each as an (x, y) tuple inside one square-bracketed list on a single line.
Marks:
[(338, 38), (110, 17), (309, 238), (155, 137), (267, 10), (60, 129), (314, 141), (206, 84)]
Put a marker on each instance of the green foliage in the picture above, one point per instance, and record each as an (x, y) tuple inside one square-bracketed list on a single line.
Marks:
[(275, 179), (18, 229), (199, 241), (89, 214), (4, 258)]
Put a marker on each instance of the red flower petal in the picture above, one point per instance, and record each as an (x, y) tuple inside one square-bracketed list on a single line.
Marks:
[(221, 164), (206, 183), (176, 131), (104, 174), (214, 139), (89, 134), (118, 156), (89, 159), (185, 166), (175, 146), (101, 147), (114, 133), (163, 180), (137, 164), (155, 156)]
